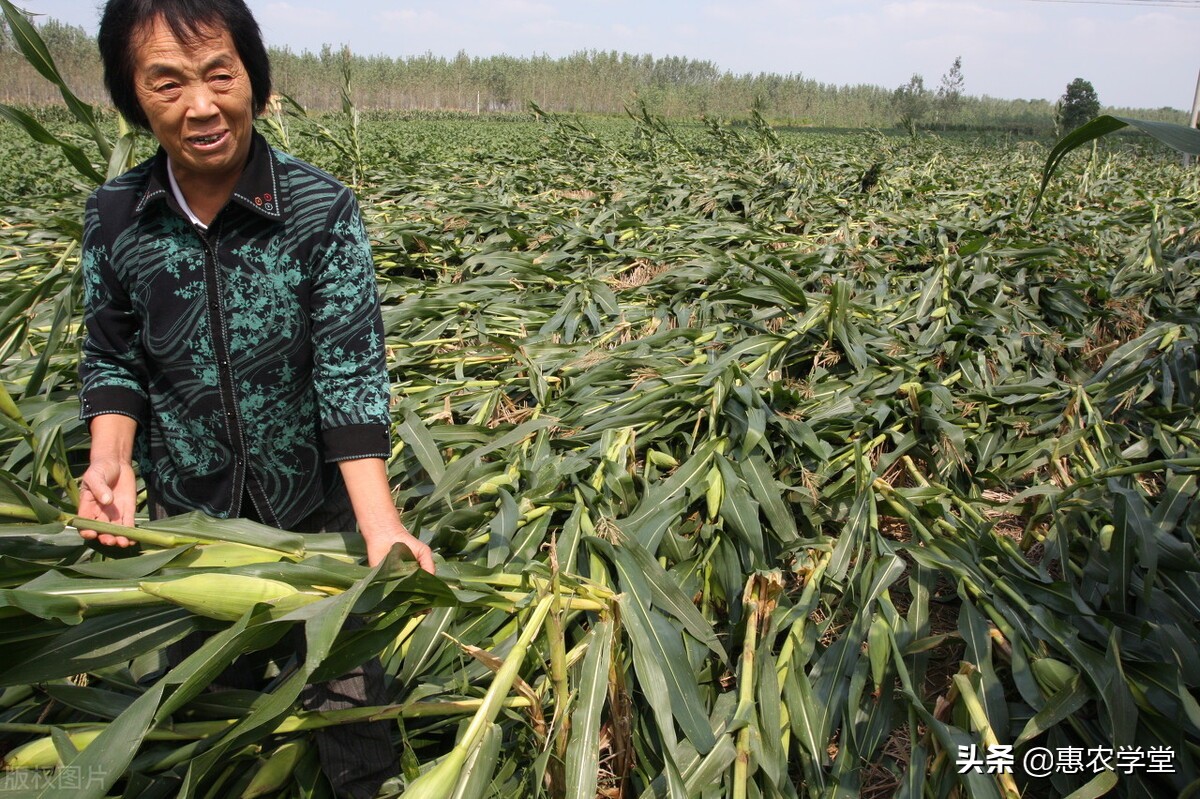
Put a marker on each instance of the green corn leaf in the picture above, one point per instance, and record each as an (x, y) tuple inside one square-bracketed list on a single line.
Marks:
[(74, 154), (667, 595), (476, 776), (322, 623), (1180, 137), (107, 757), (806, 716), (583, 748), (93, 701), (452, 478), (974, 630), (1099, 785), (739, 509), (29, 42), (427, 641), (773, 758), (878, 649), (676, 787), (787, 286), (63, 746), (684, 479), (35, 52), (766, 490), (121, 160), (1116, 695), (199, 527), (135, 568), (17, 503), (652, 635), (1061, 706), (103, 641), (854, 533), (414, 433), (1128, 524), (708, 771)]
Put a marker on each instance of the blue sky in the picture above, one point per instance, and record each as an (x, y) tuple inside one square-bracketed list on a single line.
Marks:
[(1141, 55)]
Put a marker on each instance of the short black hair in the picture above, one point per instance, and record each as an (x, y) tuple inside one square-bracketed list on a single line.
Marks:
[(189, 20)]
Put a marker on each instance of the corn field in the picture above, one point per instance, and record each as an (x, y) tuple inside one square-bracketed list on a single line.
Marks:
[(759, 464)]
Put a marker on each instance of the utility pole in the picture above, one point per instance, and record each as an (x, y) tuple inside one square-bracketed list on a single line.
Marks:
[(1187, 159)]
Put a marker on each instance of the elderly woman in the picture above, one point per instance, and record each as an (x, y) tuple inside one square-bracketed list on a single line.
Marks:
[(234, 342)]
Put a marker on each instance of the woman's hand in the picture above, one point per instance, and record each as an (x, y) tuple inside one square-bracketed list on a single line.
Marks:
[(108, 493)]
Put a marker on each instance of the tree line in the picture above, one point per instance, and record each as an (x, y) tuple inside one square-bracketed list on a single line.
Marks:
[(602, 82)]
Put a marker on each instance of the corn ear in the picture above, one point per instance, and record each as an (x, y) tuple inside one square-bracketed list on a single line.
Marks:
[(715, 492), (1052, 674), (661, 459), (273, 774), (878, 650), (42, 754), (508, 479), (585, 519), (227, 596), (9, 408)]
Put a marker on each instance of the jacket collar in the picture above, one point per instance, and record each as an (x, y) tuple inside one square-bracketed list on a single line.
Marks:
[(257, 189)]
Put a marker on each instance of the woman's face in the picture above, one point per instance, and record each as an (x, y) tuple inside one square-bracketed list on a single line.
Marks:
[(198, 99)]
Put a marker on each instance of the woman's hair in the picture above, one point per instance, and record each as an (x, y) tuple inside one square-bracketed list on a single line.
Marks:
[(122, 25)]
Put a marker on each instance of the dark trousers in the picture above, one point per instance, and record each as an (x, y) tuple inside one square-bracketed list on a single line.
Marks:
[(356, 758)]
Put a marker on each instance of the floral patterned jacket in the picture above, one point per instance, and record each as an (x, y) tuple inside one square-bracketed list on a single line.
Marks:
[(251, 354)]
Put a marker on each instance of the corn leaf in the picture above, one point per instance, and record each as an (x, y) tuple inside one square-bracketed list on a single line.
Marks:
[(583, 749)]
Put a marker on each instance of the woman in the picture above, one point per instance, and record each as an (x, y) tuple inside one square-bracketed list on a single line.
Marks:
[(234, 342)]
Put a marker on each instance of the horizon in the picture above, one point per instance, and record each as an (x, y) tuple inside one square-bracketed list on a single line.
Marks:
[(1135, 52)]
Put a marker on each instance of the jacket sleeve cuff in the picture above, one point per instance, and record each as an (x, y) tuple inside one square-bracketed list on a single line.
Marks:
[(113, 399), (353, 441)]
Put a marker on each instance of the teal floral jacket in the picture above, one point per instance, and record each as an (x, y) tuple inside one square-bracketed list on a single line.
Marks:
[(251, 354)]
